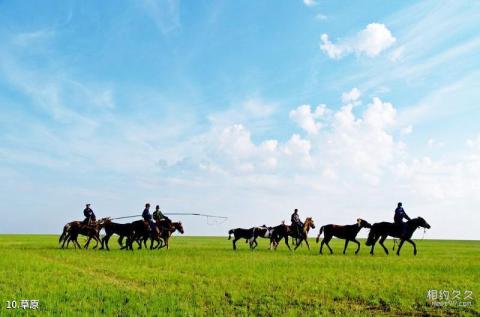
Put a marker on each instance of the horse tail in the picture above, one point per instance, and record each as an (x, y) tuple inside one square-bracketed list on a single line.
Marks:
[(230, 233), (64, 234), (371, 237), (320, 233)]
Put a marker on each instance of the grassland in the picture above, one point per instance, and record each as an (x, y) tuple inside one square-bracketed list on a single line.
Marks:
[(203, 276)]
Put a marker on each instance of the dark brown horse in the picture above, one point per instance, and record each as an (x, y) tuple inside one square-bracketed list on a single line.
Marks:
[(348, 232), (166, 233), (382, 230), (122, 230), (72, 229), (284, 231)]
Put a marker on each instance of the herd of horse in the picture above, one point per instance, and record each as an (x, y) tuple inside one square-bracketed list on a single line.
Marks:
[(140, 232), (378, 232), (137, 231)]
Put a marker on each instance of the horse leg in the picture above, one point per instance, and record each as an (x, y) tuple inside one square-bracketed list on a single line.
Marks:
[(97, 239), (160, 243), (308, 245), (120, 241), (400, 246), (78, 244), (373, 244), (297, 244), (383, 246), (346, 244), (235, 243), (382, 239), (107, 238), (151, 242), (129, 243), (286, 242), (68, 242), (321, 245), (87, 243), (65, 239), (358, 245), (327, 240), (414, 246), (103, 243)]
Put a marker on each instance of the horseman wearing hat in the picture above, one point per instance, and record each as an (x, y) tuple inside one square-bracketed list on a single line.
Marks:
[(147, 217), (89, 215), (297, 224), (160, 217)]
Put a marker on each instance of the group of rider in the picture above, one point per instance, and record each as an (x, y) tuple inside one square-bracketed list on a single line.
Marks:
[(297, 224), (400, 214), (146, 215)]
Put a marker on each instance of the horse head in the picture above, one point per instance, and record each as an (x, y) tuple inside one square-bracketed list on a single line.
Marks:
[(422, 223), (178, 226), (363, 223), (309, 223), (103, 221)]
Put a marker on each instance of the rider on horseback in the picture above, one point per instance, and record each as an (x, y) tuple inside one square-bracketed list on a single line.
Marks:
[(147, 217), (297, 224), (398, 218), (160, 217), (89, 215)]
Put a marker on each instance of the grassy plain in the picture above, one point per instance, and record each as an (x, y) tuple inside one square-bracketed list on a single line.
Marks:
[(202, 276)]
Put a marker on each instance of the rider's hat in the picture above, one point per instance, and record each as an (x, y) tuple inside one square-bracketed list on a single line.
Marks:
[(88, 205), (157, 207), (147, 205)]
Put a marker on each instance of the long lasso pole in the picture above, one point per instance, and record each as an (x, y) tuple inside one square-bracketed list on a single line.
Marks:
[(177, 214)]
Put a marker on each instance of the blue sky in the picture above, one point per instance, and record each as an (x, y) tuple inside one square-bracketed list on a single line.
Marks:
[(242, 109)]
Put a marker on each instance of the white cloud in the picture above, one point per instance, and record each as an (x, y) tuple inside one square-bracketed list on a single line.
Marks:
[(309, 3), (332, 50), (351, 97), (298, 148), (306, 119), (380, 114), (371, 41)]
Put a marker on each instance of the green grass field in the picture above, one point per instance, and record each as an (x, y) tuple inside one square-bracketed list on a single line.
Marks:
[(202, 276)]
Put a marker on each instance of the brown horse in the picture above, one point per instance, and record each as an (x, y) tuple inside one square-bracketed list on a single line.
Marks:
[(284, 231), (72, 229), (349, 233), (166, 233)]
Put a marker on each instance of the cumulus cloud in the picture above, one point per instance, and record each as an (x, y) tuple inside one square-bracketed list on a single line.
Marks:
[(298, 148), (306, 119), (371, 41), (351, 97)]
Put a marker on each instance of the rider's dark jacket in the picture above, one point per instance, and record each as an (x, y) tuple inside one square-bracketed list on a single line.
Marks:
[(295, 219), (159, 216), (399, 215), (146, 215), (88, 213)]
